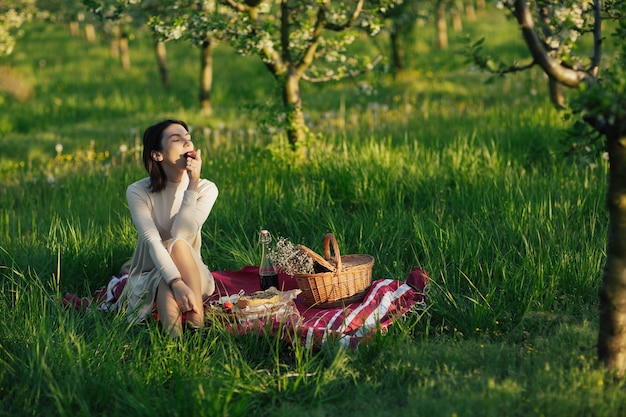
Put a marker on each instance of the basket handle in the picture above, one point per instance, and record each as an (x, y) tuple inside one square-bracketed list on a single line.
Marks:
[(327, 240), (317, 258)]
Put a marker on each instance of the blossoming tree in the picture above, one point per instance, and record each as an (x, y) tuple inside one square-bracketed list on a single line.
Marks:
[(550, 30), (296, 40), (13, 14)]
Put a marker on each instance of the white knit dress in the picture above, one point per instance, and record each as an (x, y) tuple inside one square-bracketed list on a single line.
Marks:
[(161, 218)]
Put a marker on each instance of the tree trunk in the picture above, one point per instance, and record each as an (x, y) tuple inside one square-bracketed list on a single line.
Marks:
[(397, 53), (470, 11), (115, 47), (442, 27), (124, 53), (611, 346), (161, 55), (206, 77), (75, 28), (457, 23), (90, 32), (296, 128)]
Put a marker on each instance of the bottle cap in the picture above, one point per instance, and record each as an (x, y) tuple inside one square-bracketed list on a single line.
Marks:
[(265, 236)]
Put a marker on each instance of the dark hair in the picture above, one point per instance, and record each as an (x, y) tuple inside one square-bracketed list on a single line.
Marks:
[(152, 141)]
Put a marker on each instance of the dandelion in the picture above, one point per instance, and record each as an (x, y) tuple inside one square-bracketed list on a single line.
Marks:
[(59, 148)]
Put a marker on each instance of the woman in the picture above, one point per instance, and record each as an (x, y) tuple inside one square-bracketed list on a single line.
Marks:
[(168, 209)]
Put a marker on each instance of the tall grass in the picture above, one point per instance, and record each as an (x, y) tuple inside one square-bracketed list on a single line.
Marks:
[(435, 170)]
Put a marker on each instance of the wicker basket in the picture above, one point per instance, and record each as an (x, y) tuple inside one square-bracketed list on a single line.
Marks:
[(347, 280)]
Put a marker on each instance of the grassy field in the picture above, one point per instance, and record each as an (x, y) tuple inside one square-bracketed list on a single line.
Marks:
[(436, 169)]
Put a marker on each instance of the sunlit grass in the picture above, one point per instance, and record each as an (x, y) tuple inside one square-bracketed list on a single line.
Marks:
[(436, 170)]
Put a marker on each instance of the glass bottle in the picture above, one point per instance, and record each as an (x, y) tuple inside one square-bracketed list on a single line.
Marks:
[(268, 276)]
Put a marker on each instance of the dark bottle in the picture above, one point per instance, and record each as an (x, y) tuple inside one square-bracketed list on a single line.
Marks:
[(268, 277)]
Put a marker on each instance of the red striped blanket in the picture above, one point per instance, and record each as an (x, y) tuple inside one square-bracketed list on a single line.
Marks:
[(385, 301)]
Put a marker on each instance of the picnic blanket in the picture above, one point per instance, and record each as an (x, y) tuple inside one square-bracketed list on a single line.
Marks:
[(385, 301)]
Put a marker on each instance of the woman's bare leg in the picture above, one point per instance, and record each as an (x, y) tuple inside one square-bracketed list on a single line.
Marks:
[(190, 274), (169, 312)]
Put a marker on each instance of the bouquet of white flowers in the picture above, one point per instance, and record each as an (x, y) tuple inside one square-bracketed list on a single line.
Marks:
[(290, 259)]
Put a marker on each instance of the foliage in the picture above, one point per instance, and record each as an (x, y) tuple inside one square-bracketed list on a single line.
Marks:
[(604, 101)]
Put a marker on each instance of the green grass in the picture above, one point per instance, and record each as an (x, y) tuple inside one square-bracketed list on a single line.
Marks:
[(436, 170)]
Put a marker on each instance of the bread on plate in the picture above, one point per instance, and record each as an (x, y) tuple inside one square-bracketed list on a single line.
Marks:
[(269, 296)]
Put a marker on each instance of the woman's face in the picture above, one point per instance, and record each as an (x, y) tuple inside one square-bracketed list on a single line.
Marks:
[(175, 142)]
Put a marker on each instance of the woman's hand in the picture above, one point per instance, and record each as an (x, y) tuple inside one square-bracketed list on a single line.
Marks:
[(194, 165), (184, 297)]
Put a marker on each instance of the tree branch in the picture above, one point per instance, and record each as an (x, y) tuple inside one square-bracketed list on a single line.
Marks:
[(566, 76), (338, 28), (271, 58), (322, 23), (484, 62), (516, 68), (309, 53), (275, 65)]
